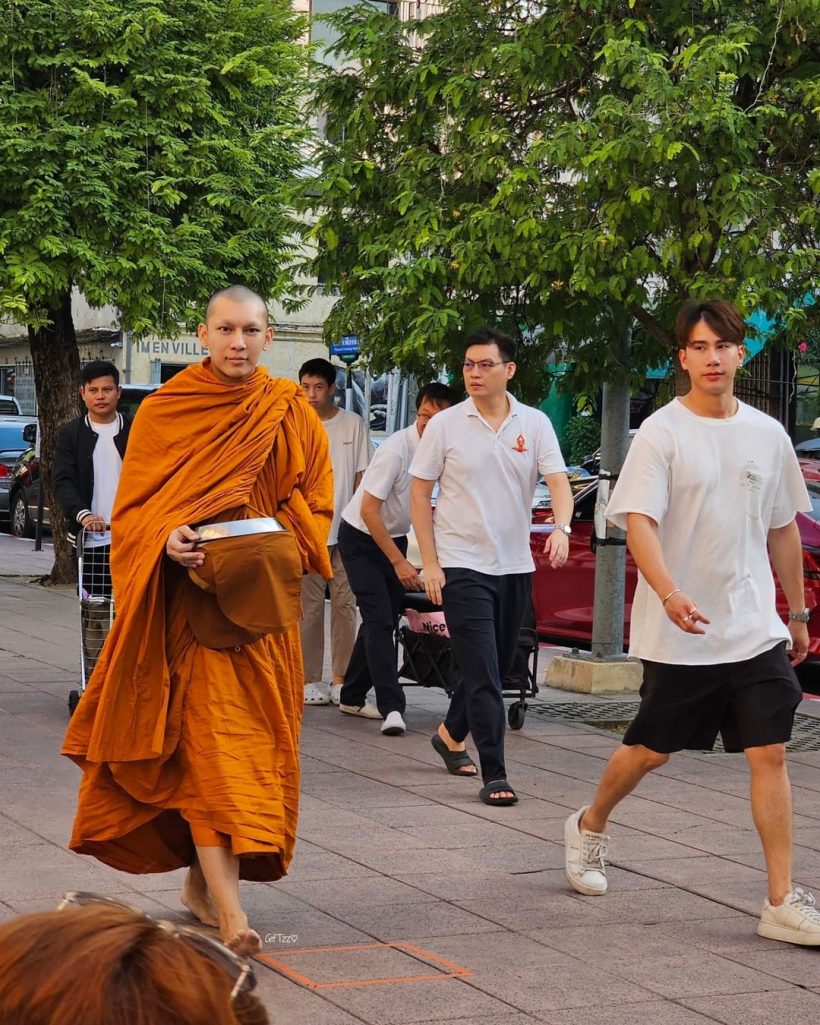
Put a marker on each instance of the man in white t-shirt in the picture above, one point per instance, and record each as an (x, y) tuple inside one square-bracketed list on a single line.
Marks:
[(709, 485), (350, 452), (373, 544), (486, 454), (87, 464)]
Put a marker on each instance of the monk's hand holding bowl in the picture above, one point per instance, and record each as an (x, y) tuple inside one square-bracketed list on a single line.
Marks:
[(181, 547)]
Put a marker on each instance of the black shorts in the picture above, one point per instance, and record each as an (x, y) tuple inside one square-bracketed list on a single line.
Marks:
[(749, 703)]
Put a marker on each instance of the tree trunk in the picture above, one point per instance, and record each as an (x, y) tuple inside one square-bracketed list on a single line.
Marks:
[(56, 361)]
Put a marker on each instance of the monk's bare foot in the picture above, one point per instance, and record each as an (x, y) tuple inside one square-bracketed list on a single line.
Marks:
[(195, 897), (237, 934), (245, 943)]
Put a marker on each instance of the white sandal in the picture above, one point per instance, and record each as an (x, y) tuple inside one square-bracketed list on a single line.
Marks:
[(315, 694)]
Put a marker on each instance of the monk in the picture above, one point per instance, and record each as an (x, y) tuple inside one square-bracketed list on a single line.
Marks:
[(190, 754)]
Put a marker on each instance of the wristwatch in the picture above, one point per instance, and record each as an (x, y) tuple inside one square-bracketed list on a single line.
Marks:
[(568, 530), (800, 617)]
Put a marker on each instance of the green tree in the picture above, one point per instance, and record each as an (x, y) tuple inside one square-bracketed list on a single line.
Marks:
[(143, 150), (570, 170)]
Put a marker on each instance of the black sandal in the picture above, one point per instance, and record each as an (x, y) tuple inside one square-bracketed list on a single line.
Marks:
[(498, 786), (454, 760)]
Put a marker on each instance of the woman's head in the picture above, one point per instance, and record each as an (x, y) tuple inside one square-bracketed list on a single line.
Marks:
[(107, 965)]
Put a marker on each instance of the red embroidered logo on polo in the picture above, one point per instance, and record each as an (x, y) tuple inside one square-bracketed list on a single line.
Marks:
[(520, 445)]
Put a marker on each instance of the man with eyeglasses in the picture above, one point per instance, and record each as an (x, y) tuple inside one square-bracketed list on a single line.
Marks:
[(486, 454)]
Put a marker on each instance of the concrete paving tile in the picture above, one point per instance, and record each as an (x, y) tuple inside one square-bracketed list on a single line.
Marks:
[(518, 855), (318, 864), (723, 932), (650, 1013), (614, 944), (409, 865), (405, 922), (560, 910), (335, 894), (797, 965), (437, 1000), (701, 872), (578, 985), (652, 906), (43, 870), (698, 975), (296, 1004), (791, 1005), (488, 950)]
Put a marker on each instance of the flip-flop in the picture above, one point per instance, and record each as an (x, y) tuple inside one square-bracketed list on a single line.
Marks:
[(453, 760), (498, 786)]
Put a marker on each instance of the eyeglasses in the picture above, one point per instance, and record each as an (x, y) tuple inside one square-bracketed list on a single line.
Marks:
[(238, 968), (484, 366)]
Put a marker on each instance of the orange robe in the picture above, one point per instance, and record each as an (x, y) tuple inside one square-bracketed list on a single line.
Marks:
[(176, 740)]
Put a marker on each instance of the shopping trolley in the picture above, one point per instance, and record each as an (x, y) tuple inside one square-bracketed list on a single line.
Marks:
[(96, 603), (427, 657)]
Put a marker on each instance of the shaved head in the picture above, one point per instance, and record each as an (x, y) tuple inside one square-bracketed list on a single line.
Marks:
[(237, 294)]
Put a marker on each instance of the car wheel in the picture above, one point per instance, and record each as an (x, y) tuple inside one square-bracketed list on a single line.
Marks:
[(21, 525)]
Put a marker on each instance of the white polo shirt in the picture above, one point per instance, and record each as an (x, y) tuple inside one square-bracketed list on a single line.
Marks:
[(388, 478), (350, 452), (487, 481)]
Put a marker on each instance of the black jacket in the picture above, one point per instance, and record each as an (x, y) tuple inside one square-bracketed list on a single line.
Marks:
[(74, 465)]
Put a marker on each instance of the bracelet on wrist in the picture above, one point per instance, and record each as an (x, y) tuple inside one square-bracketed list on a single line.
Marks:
[(675, 590)]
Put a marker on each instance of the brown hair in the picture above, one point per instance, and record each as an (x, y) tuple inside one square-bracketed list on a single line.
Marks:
[(721, 317), (102, 965)]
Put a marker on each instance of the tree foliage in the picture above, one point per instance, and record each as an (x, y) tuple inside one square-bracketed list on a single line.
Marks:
[(144, 146), (570, 170)]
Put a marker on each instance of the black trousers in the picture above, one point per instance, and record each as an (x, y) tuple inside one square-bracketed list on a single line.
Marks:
[(380, 597), (484, 615)]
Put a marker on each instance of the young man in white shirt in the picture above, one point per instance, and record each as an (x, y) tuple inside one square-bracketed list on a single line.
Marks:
[(708, 486), (87, 465), (350, 452), (373, 543), (486, 454)]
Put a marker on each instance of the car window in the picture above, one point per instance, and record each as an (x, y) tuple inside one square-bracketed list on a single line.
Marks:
[(132, 397), (11, 437)]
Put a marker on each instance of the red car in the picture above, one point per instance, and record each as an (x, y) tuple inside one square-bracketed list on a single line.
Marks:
[(563, 600)]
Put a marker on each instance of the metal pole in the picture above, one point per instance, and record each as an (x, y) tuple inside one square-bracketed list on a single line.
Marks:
[(349, 389), (126, 341), (366, 412), (610, 560)]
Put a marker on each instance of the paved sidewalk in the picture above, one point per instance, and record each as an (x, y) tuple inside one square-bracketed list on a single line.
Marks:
[(402, 875)]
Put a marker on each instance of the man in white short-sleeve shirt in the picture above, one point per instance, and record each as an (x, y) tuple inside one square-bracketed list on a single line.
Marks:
[(708, 496), (373, 544), (486, 454), (350, 452)]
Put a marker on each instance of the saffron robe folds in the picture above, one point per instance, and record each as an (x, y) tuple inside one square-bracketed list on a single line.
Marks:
[(173, 737)]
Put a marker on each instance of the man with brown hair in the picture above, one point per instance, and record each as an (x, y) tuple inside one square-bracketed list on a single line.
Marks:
[(708, 494)]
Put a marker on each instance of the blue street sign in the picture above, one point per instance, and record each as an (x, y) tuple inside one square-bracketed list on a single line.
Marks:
[(347, 348), (348, 345)]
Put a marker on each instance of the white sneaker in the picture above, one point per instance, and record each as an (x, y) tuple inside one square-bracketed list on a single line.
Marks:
[(796, 920), (316, 694), (365, 711), (335, 692), (393, 725), (584, 854)]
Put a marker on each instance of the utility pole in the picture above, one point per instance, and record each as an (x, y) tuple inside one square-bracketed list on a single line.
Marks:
[(610, 556), (607, 669)]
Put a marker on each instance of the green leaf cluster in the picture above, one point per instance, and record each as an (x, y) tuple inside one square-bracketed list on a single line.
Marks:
[(569, 170), (144, 147)]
